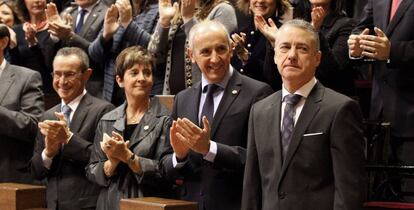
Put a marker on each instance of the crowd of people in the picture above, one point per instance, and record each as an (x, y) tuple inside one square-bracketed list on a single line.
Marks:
[(263, 113)]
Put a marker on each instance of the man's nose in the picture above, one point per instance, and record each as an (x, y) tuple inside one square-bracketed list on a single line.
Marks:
[(214, 57)]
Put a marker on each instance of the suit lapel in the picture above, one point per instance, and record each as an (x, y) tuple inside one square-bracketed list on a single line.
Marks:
[(382, 8), (6, 80), (230, 94), (80, 114), (145, 126), (404, 5), (310, 109), (91, 19), (193, 110)]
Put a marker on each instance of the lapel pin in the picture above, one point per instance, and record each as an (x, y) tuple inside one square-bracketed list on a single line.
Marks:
[(234, 92), (146, 127)]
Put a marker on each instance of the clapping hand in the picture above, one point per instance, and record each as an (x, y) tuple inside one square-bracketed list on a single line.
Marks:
[(268, 29)]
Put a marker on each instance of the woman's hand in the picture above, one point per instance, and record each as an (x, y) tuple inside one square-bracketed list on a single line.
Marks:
[(167, 12), (187, 9), (111, 24), (317, 14), (268, 29), (239, 48), (125, 12)]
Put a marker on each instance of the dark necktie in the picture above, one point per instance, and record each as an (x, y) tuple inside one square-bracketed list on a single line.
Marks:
[(66, 110), (208, 107), (288, 122), (394, 7), (82, 14)]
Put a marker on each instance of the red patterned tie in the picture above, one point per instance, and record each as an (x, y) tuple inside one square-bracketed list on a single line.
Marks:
[(394, 7)]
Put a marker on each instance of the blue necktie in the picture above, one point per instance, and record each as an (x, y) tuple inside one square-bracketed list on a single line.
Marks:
[(208, 107), (66, 110), (288, 122), (81, 20)]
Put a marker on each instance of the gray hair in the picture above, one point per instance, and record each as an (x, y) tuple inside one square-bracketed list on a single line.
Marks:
[(78, 52), (305, 25), (211, 25)]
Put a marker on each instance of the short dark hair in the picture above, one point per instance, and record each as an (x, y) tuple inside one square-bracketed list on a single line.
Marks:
[(4, 32), (78, 52), (131, 56)]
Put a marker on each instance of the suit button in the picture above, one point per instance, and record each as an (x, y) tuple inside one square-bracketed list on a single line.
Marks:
[(241, 70), (201, 192), (282, 195)]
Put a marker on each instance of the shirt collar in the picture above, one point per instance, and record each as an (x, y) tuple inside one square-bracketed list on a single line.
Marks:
[(221, 84), (303, 91), (89, 9), (75, 102), (2, 66)]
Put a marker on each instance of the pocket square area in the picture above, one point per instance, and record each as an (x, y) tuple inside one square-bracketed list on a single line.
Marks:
[(313, 134)]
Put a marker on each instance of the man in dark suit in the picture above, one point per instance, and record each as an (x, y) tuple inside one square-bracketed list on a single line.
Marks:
[(66, 135), (388, 37), (209, 161), (305, 144), (21, 105), (87, 20)]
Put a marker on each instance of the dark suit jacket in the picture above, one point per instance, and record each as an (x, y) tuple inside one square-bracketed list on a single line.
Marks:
[(89, 32), (90, 29), (393, 82), (324, 165), (67, 185), (217, 185), (21, 105)]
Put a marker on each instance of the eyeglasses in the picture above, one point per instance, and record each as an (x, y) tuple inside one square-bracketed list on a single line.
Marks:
[(69, 75)]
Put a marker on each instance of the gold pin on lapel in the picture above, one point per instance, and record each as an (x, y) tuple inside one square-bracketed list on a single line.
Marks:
[(234, 92), (146, 127)]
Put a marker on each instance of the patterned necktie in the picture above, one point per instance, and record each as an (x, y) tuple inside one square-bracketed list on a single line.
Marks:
[(208, 107), (66, 110), (288, 122), (394, 7), (81, 20)]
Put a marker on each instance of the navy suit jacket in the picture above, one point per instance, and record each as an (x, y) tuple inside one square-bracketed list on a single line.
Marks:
[(392, 96), (217, 185), (324, 165), (67, 185)]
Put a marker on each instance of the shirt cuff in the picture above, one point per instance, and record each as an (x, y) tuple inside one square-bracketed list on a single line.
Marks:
[(175, 162), (47, 161), (211, 155), (354, 58)]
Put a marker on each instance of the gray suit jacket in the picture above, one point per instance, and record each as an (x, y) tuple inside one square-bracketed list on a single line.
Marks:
[(217, 185), (67, 185), (21, 105), (90, 28), (324, 165)]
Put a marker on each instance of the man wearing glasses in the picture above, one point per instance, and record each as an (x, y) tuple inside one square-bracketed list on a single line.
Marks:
[(66, 134)]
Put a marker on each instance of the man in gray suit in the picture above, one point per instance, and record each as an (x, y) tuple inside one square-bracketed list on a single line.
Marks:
[(21, 105), (87, 17), (305, 144), (66, 134)]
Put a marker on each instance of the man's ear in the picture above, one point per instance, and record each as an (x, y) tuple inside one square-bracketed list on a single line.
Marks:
[(189, 52), (87, 74), (318, 57)]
